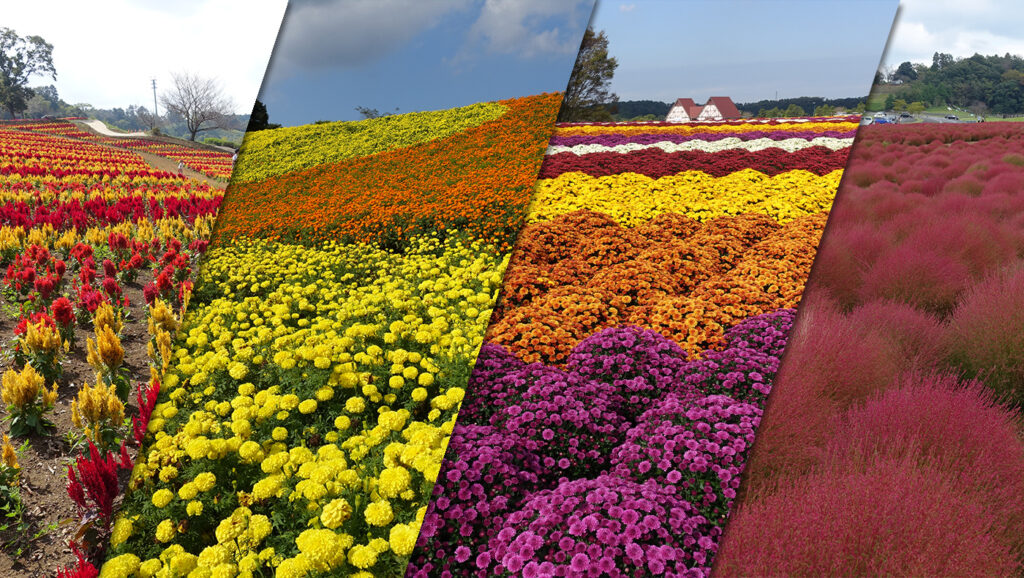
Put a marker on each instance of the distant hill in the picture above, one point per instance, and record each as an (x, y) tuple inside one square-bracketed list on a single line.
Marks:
[(978, 83), (631, 109), (807, 103)]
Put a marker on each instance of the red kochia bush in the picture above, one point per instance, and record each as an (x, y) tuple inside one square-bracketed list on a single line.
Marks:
[(920, 277), (986, 333), (957, 428), (892, 518)]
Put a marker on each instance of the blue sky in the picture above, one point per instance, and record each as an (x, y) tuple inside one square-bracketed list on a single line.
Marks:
[(334, 55), (744, 49)]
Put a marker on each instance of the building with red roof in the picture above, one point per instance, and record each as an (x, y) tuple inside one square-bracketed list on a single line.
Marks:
[(717, 108)]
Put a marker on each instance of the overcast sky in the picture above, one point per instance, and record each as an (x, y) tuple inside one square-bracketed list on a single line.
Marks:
[(107, 52), (749, 50), (335, 55), (962, 29)]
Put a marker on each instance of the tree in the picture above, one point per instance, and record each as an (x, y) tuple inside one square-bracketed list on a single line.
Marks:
[(589, 84), (916, 107), (368, 113), (21, 58), (147, 119), (905, 72), (824, 110), (899, 105), (199, 102), (260, 119), (793, 111)]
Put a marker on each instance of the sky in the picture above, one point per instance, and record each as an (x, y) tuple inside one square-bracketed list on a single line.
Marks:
[(747, 50), (107, 56), (962, 29), (412, 55)]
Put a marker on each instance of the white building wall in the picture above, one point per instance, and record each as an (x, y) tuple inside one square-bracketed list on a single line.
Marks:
[(677, 114), (710, 112)]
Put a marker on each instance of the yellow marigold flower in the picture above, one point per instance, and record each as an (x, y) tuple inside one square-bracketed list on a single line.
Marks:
[(419, 395), (250, 451), (259, 527), (194, 508), (402, 539), (121, 531), (238, 371), (379, 513), (323, 394), (279, 433), (307, 406), (396, 382), (168, 473), (362, 556), (393, 481), (323, 548), (150, 567), (267, 487), (355, 405), (121, 566), (162, 497), (165, 531), (342, 422), (187, 491), (336, 513), (205, 481)]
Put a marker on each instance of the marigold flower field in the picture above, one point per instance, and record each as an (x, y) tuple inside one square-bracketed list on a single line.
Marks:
[(304, 415), (892, 442), (96, 249), (638, 332)]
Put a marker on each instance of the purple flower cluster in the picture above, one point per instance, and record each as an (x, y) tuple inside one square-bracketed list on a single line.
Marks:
[(641, 364), (697, 445), (624, 463), (618, 526), (570, 421), (651, 138)]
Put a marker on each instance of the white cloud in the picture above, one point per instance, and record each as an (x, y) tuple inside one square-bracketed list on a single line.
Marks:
[(106, 57), (527, 28), (925, 27), (348, 33), (627, 7)]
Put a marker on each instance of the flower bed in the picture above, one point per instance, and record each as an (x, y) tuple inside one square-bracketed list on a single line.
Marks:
[(893, 443), (314, 387), (638, 332), (96, 250)]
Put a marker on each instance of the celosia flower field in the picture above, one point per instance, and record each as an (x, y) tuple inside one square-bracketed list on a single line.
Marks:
[(304, 415), (639, 328), (891, 444), (96, 249), (212, 163)]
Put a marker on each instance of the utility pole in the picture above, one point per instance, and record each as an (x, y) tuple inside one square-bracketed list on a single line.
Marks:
[(155, 113)]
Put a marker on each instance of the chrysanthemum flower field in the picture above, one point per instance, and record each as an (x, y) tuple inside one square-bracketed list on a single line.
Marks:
[(314, 385), (649, 298), (892, 442)]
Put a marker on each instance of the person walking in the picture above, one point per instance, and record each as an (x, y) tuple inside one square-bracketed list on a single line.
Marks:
[(181, 168)]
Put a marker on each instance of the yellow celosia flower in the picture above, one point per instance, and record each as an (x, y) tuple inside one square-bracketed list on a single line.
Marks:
[(96, 407), (106, 353)]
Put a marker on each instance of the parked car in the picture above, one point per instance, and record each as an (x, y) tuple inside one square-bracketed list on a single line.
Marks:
[(904, 115), (952, 117)]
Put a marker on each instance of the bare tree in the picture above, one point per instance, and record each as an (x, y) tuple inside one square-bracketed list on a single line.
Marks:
[(199, 101), (147, 119)]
